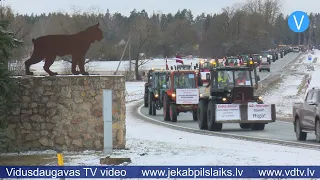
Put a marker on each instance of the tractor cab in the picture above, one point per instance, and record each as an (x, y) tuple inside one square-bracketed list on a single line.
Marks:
[(183, 79), (181, 95), (204, 68), (227, 81), (232, 61), (231, 98), (151, 77)]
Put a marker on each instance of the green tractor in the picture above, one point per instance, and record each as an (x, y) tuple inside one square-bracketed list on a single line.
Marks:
[(230, 98), (157, 85)]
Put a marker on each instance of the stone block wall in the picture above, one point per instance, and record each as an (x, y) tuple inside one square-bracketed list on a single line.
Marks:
[(66, 112)]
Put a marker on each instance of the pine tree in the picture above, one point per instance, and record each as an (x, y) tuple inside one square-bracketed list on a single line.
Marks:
[(8, 86)]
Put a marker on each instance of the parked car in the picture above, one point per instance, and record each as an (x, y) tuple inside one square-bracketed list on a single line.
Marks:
[(306, 115), (264, 66)]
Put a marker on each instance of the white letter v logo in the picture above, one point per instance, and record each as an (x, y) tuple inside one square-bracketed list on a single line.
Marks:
[(301, 20)]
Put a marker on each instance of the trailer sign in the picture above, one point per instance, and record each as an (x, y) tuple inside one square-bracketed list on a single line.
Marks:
[(259, 111), (227, 112), (187, 96)]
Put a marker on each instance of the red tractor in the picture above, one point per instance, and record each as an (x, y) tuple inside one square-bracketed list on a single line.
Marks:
[(181, 95)]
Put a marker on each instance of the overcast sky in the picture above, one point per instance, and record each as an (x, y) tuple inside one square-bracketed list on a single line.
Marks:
[(164, 6)]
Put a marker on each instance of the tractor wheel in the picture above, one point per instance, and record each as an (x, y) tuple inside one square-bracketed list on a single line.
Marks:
[(195, 115), (150, 103), (166, 106), (245, 125), (212, 125), (154, 109), (202, 114), (257, 126), (173, 113)]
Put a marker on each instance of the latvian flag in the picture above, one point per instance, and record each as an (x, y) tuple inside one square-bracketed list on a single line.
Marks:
[(179, 59), (167, 67)]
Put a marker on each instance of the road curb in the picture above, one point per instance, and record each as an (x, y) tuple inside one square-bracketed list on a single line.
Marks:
[(136, 111)]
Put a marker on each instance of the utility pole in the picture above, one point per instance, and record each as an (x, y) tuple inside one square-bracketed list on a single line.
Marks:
[(115, 73), (130, 63)]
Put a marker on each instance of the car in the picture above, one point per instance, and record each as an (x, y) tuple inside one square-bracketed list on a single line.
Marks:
[(296, 49), (256, 58), (264, 66), (306, 116), (266, 55)]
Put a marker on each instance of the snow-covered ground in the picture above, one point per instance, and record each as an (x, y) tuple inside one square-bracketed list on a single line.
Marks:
[(150, 144), (134, 91), (292, 86), (156, 145), (61, 66)]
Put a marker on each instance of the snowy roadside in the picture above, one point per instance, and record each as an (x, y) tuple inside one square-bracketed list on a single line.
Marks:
[(292, 85), (134, 91)]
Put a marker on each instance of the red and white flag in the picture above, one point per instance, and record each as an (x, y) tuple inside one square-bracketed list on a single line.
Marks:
[(179, 59), (167, 67)]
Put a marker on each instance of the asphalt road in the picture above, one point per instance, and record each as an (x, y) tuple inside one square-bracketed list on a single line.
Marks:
[(278, 130), (276, 67)]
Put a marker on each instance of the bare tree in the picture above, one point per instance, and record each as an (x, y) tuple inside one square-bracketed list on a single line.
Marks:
[(142, 31)]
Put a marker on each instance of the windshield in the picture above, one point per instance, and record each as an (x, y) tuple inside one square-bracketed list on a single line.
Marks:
[(184, 67), (264, 54), (184, 81), (160, 80), (256, 57), (206, 65), (232, 78), (245, 58), (232, 60)]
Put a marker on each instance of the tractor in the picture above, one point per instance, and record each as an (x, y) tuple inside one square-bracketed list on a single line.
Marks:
[(157, 85), (147, 85), (230, 98), (181, 95)]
